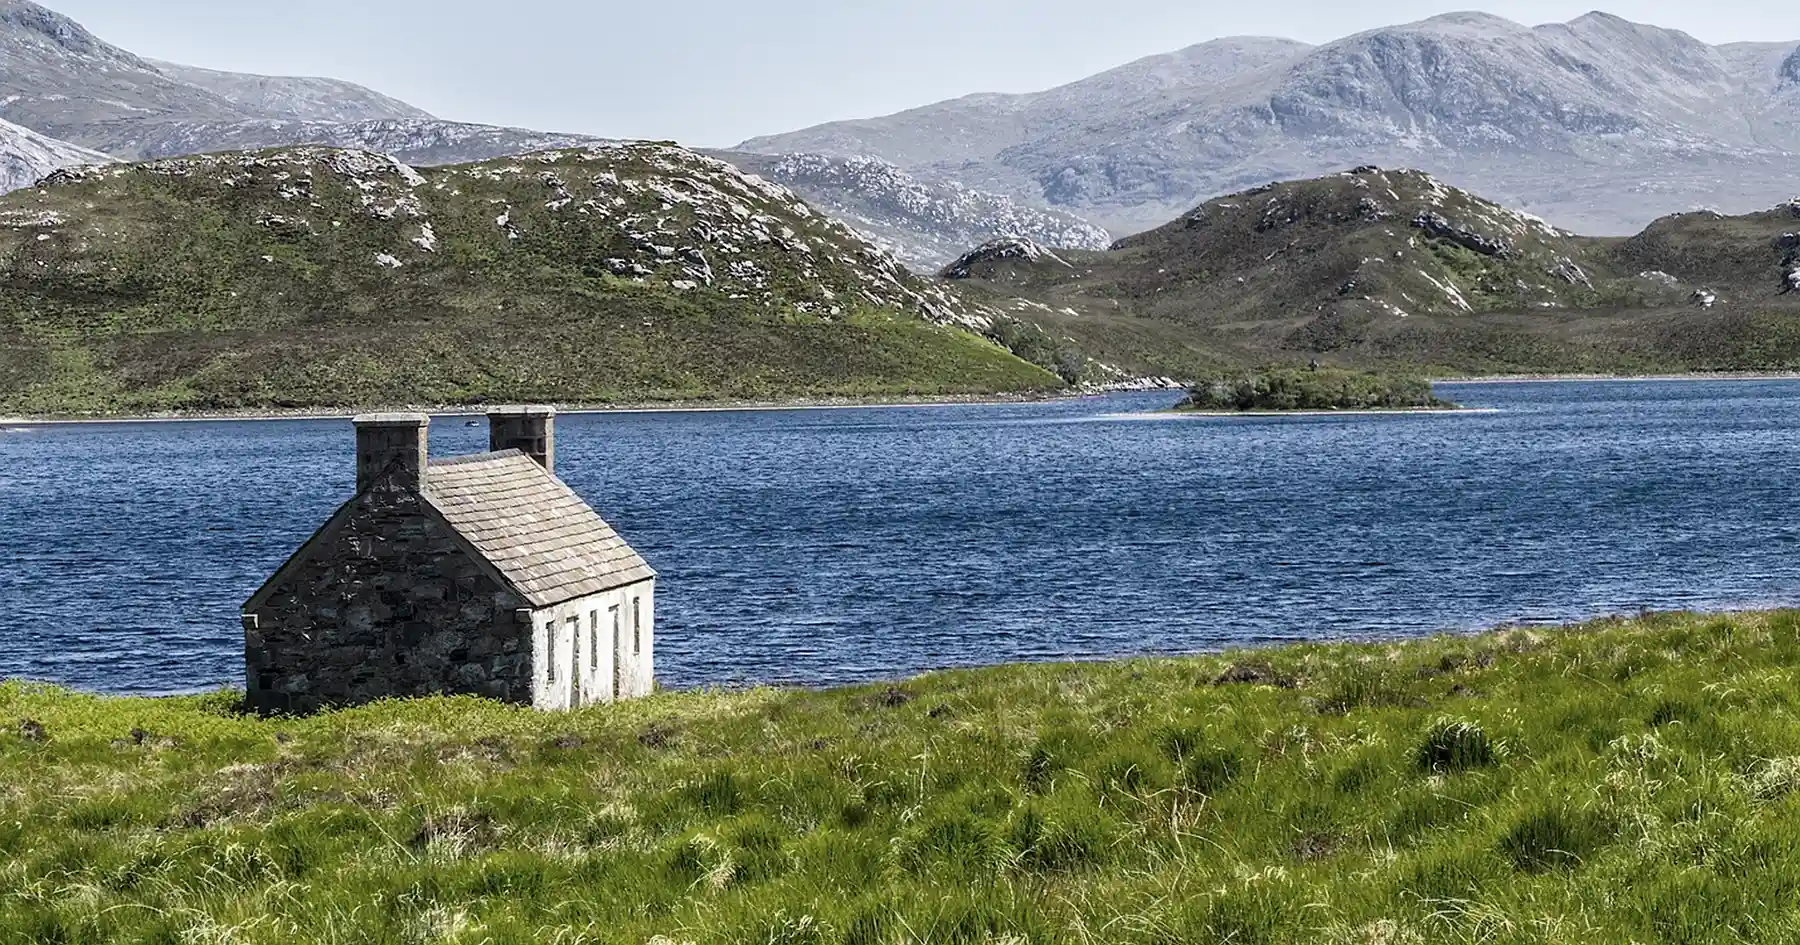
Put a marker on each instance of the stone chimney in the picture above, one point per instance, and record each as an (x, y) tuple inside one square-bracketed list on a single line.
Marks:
[(397, 440), (530, 430)]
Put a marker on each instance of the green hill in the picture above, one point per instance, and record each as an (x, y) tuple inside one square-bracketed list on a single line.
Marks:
[(1392, 268), (1625, 782), (316, 277)]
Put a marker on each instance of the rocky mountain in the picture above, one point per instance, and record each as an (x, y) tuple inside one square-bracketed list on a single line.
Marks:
[(412, 141), (326, 277), (969, 132), (26, 156), (923, 223), (58, 78), (1599, 124), (301, 98), (1374, 266)]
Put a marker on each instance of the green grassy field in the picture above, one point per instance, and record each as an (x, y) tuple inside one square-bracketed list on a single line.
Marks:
[(1625, 781)]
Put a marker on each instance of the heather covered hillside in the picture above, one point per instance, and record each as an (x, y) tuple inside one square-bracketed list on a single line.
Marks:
[(321, 277), (1394, 267)]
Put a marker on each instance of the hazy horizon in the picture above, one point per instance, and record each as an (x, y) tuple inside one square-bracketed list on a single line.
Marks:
[(719, 75)]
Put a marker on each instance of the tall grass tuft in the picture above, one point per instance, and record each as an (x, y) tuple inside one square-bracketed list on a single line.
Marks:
[(1453, 745), (1556, 837)]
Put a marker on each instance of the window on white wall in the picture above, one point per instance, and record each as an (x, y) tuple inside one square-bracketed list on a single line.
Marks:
[(637, 626), (550, 650), (593, 640), (618, 664)]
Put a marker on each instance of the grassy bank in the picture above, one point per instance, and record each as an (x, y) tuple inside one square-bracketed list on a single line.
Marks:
[(1627, 781)]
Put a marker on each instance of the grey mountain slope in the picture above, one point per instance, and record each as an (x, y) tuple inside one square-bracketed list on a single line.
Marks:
[(58, 78), (978, 127), (923, 223), (305, 98), (1599, 123), (26, 156), (414, 141), (55, 75)]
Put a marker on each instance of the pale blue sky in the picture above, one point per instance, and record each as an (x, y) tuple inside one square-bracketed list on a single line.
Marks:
[(712, 72)]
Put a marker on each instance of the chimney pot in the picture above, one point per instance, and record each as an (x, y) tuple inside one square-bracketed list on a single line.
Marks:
[(530, 430), (392, 441)]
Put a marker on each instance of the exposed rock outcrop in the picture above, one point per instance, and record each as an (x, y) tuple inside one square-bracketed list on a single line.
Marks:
[(1005, 248), (1436, 225)]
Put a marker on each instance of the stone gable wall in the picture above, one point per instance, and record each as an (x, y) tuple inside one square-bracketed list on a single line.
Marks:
[(386, 605)]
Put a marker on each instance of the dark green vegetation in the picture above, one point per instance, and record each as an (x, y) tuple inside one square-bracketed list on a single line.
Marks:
[(1393, 269), (314, 277), (1303, 389), (1627, 781)]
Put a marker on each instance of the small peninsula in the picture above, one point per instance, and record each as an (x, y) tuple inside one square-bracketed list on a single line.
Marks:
[(1299, 389)]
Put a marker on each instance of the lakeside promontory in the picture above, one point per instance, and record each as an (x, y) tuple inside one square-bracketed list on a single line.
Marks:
[(1624, 781)]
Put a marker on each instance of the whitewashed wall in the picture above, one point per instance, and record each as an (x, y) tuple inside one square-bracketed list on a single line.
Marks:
[(564, 638)]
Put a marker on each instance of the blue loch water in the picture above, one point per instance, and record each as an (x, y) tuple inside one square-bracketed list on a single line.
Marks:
[(825, 546)]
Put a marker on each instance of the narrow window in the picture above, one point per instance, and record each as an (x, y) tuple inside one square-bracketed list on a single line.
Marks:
[(618, 664), (637, 626), (593, 641), (550, 650), (574, 661)]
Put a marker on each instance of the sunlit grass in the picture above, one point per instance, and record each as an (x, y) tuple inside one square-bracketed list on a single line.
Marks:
[(1626, 781)]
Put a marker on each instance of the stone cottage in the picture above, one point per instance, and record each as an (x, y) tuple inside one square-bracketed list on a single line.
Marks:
[(480, 574)]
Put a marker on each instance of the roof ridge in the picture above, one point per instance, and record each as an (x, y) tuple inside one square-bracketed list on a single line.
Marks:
[(477, 458)]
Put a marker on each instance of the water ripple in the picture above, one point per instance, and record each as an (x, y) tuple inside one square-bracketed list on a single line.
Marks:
[(817, 547)]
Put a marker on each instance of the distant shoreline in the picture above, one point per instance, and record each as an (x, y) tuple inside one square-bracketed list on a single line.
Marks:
[(847, 403), (1565, 378), (644, 407)]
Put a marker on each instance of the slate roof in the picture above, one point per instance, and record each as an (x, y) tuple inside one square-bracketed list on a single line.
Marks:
[(540, 535)]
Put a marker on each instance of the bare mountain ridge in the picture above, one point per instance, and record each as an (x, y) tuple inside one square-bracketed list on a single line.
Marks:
[(57, 78), (301, 97), (1600, 124), (978, 127)]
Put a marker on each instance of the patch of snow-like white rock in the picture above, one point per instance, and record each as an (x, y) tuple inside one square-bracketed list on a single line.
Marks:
[(27, 156), (1450, 292), (924, 223)]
